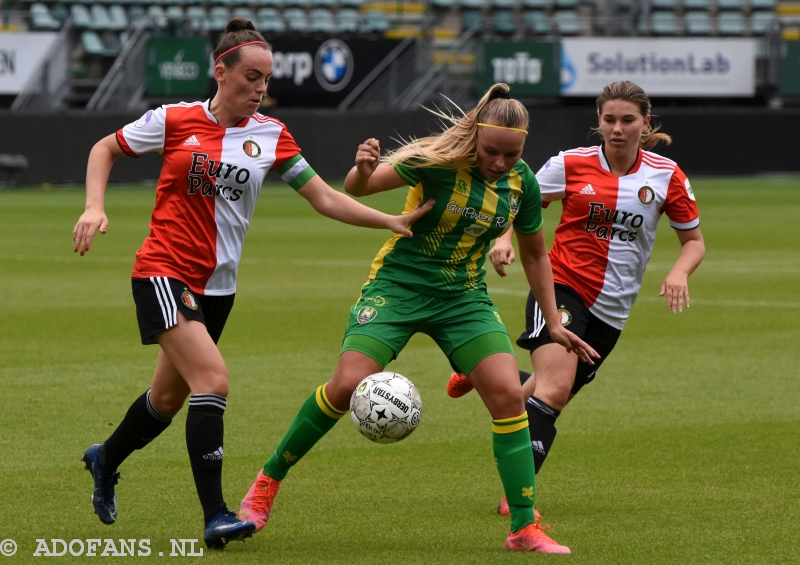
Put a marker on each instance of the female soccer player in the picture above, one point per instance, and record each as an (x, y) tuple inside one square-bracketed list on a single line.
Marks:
[(434, 284), (612, 198), (216, 155)]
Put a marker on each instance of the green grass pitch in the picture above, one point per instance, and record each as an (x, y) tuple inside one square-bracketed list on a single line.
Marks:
[(684, 450)]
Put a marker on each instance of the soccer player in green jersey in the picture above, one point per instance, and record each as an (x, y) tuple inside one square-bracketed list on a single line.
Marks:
[(433, 283)]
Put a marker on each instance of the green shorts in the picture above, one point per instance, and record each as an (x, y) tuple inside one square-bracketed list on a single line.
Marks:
[(467, 328)]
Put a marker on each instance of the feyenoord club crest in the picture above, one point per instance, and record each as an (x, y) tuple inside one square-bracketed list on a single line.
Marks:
[(646, 195), (367, 314), (566, 317), (251, 148), (188, 299)]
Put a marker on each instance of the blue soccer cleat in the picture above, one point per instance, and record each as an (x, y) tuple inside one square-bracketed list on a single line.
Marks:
[(223, 527), (103, 497)]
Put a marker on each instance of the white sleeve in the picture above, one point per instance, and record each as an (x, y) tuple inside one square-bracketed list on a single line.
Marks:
[(145, 134), (552, 179)]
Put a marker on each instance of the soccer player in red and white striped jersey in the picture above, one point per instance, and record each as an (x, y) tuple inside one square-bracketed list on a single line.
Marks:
[(612, 197), (216, 155)]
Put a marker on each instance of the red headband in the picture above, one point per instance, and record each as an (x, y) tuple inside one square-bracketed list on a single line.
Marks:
[(239, 46)]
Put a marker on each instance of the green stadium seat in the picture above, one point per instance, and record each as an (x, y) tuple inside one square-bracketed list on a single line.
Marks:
[(298, 3), (538, 22), (665, 23), (763, 5), (81, 19), (218, 18), (567, 4), (697, 5), (296, 20), (473, 4), (568, 23), (330, 4), (725, 5), (352, 3), (100, 18), (175, 14), (348, 20), (321, 21), (243, 12), (42, 19), (269, 20), (698, 23), (470, 18), (375, 21), (731, 24), (762, 23), (537, 4), (198, 18), (504, 22), (504, 4), (663, 5), (135, 15), (158, 17), (93, 45), (443, 4), (118, 17)]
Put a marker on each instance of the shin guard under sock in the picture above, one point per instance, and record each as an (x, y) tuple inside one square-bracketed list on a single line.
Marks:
[(141, 425), (514, 463), (204, 441), (316, 418)]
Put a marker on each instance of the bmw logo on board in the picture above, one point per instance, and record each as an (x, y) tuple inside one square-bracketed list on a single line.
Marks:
[(333, 65)]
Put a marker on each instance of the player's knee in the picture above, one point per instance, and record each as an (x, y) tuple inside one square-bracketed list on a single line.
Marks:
[(167, 402)]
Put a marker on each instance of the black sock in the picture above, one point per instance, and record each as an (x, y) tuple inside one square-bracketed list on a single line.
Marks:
[(542, 426), (204, 433), (141, 425)]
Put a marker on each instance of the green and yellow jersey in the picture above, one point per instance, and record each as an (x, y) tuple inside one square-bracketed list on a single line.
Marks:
[(446, 255)]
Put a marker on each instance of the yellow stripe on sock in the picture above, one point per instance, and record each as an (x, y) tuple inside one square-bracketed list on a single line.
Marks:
[(326, 406), (510, 425)]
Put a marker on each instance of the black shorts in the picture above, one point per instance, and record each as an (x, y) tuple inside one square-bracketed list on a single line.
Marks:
[(577, 318), (158, 300)]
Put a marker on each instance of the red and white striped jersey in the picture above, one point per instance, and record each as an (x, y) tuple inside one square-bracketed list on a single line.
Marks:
[(608, 223), (210, 180)]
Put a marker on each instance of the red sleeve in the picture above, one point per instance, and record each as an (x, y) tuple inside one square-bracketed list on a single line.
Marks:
[(680, 205), (285, 149)]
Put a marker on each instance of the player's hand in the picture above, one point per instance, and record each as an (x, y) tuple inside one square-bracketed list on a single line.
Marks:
[(676, 288), (501, 254), (574, 344), (88, 224), (399, 224), (368, 157)]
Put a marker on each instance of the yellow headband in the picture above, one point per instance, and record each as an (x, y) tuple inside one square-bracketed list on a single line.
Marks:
[(503, 127)]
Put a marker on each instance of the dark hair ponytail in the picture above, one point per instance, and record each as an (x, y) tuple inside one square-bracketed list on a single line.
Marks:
[(238, 32)]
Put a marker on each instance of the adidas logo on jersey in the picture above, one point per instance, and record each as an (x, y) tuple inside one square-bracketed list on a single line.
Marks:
[(191, 140), (585, 190), (215, 456)]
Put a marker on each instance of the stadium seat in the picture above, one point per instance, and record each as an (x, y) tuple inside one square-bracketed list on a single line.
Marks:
[(198, 18), (93, 45), (100, 18), (135, 15), (470, 18), (763, 22), (269, 20), (42, 19), (118, 17), (375, 21), (351, 3), (243, 12), (81, 19), (349, 20), (504, 4), (473, 4), (218, 18), (731, 23), (665, 23), (664, 5), (568, 23), (697, 5), (296, 19), (725, 5), (763, 5), (443, 4), (321, 21), (566, 4), (158, 17), (60, 12), (537, 22), (504, 22), (175, 14), (330, 4), (537, 4), (298, 3), (698, 23)]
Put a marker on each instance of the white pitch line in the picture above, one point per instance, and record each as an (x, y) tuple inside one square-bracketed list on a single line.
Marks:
[(698, 301)]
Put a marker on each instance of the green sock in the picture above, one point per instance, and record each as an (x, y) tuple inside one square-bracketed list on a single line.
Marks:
[(511, 442), (315, 419)]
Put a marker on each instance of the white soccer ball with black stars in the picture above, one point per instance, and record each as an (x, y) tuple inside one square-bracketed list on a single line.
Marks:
[(386, 407)]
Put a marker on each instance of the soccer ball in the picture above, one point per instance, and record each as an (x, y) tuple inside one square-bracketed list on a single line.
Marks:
[(386, 407)]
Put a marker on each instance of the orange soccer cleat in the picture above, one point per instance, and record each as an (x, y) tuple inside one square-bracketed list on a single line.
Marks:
[(533, 538), (458, 385), (257, 504)]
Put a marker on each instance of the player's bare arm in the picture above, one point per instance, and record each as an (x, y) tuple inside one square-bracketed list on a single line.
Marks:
[(370, 175), (341, 207), (676, 284), (503, 252), (101, 159), (536, 264)]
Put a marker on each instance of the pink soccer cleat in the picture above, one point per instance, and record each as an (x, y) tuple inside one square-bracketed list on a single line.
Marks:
[(257, 504), (533, 538), (458, 385)]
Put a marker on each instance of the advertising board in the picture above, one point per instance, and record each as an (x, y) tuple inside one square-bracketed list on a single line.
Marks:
[(530, 68), (177, 66), (21, 53)]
